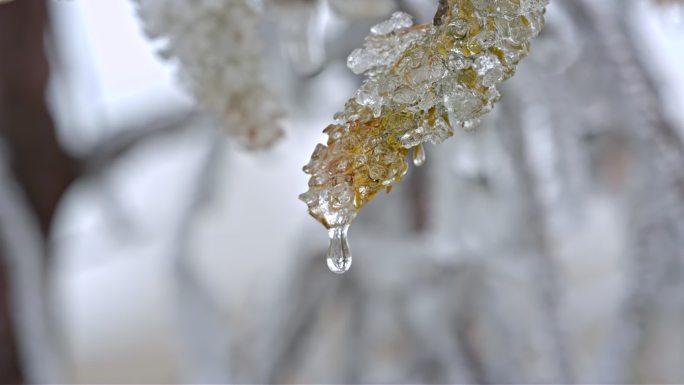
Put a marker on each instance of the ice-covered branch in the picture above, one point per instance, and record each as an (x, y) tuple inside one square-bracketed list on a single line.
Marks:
[(421, 80), (218, 49)]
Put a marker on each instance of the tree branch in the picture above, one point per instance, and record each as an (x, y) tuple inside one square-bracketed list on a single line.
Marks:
[(39, 163)]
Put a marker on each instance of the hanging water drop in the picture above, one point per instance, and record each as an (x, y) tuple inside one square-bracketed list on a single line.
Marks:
[(419, 155), (339, 256)]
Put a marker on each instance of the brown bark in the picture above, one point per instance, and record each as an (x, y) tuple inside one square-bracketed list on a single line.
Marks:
[(41, 167), (10, 368)]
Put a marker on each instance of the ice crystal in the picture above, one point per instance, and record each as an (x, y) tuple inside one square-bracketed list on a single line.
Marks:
[(421, 81), (217, 46)]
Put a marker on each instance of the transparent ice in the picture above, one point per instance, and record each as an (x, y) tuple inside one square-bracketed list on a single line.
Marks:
[(339, 256), (421, 81)]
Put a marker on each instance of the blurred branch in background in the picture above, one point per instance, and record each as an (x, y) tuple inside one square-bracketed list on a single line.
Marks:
[(205, 341), (120, 144), (545, 247), (30, 337), (10, 363), (43, 172), (39, 163), (657, 224), (546, 269)]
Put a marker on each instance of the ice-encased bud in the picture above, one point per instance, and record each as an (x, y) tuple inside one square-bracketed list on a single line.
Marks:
[(339, 255), (218, 50), (421, 81)]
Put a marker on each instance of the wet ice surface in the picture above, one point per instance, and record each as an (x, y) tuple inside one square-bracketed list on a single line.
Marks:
[(421, 81)]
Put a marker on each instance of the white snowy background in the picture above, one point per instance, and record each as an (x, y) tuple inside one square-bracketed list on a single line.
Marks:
[(119, 236)]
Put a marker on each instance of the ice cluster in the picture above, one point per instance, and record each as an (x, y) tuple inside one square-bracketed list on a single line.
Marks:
[(421, 81), (217, 46)]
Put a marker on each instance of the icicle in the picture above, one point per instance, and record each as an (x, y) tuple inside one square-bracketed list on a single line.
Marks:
[(339, 256), (418, 155)]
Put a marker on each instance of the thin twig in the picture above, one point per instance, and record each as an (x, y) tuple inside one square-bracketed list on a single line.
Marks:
[(117, 146), (537, 223), (206, 347), (22, 255)]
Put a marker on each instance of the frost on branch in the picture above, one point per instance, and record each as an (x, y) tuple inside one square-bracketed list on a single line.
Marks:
[(217, 45), (421, 81)]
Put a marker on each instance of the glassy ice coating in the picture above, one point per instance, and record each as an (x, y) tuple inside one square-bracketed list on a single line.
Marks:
[(218, 49), (421, 81)]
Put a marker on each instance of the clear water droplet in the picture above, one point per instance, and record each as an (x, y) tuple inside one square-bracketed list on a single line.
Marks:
[(339, 256), (419, 155)]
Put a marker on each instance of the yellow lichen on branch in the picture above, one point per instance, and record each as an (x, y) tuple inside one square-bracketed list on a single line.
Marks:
[(420, 81)]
